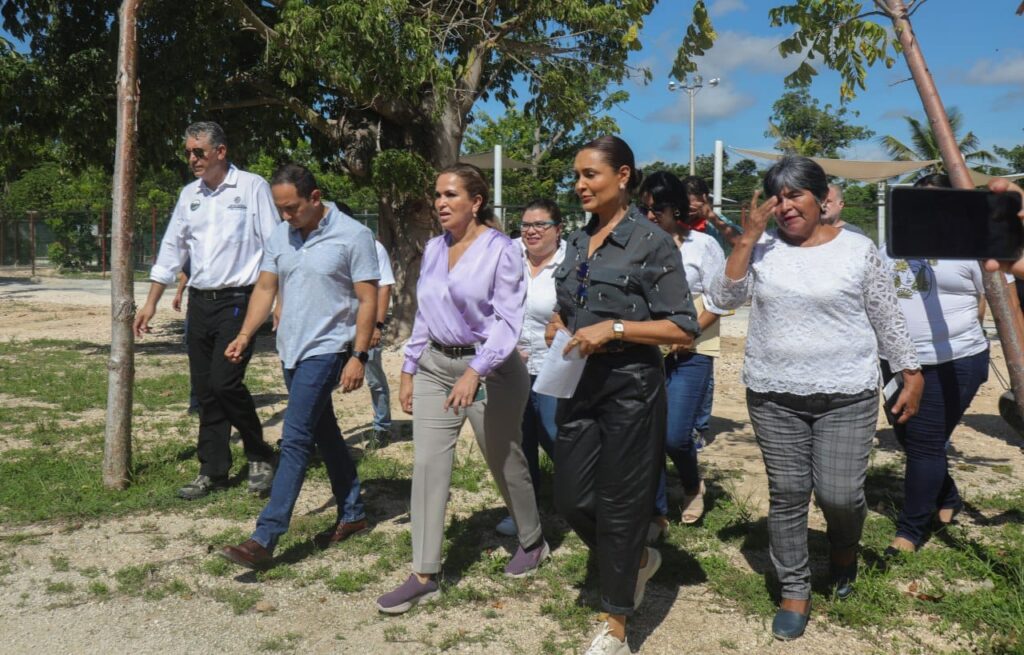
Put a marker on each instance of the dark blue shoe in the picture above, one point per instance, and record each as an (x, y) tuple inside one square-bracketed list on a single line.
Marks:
[(789, 625), (843, 578)]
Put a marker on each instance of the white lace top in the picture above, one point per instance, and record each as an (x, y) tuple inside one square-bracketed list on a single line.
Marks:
[(819, 316)]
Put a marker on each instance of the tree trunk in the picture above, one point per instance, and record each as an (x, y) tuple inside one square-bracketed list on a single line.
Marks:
[(405, 227), (117, 445), (1004, 308)]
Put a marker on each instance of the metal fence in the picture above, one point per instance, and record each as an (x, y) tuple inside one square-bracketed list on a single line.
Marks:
[(27, 239)]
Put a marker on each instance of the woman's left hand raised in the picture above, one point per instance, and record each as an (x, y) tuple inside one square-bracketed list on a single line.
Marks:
[(909, 401)]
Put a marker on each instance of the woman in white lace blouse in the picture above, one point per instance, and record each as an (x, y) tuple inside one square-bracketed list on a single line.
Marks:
[(822, 307)]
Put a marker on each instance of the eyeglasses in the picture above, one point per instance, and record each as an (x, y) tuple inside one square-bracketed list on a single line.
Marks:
[(583, 277), (657, 209), (198, 153), (540, 226)]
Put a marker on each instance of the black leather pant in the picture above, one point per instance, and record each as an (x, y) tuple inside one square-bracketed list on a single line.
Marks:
[(608, 457)]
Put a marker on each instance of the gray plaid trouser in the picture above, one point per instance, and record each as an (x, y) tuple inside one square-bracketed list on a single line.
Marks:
[(820, 443)]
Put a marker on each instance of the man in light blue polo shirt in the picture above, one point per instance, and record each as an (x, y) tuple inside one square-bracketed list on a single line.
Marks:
[(324, 264)]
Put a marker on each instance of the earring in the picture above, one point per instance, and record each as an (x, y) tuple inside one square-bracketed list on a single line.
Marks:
[(622, 187)]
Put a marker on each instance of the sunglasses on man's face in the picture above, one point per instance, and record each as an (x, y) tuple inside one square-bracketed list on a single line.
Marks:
[(198, 153)]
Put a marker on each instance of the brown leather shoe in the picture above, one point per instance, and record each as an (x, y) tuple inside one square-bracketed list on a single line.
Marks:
[(249, 554), (340, 532)]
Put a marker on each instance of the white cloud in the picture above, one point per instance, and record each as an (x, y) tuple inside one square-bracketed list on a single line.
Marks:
[(712, 104), (1009, 70), (1009, 100), (722, 7), (739, 50)]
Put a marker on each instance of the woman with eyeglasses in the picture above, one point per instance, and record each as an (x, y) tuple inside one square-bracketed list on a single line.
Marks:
[(461, 362), (687, 370), (822, 307), (543, 250), (621, 293)]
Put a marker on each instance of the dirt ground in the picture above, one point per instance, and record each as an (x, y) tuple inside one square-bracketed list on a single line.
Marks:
[(679, 618)]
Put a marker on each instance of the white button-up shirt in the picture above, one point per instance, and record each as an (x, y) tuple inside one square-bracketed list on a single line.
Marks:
[(221, 231), (540, 304)]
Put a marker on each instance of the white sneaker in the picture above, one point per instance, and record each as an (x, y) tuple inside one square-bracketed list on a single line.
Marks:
[(644, 574), (605, 644), (506, 527)]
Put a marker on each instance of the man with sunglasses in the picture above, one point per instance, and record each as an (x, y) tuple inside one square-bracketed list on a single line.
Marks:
[(220, 224)]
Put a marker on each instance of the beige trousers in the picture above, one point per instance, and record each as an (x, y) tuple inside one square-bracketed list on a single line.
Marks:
[(497, 423)]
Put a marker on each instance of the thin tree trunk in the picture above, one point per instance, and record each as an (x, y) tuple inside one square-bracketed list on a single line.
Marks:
[(1004, 307), (117, 445)]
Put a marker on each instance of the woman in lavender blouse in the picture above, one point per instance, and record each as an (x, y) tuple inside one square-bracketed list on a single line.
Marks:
[(461, 362)]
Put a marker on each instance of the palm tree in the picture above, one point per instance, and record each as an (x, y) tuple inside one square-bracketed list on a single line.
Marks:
[(925, 145)]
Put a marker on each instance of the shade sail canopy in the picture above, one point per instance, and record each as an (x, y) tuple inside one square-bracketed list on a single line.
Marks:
[(865, 171), (485, 160)]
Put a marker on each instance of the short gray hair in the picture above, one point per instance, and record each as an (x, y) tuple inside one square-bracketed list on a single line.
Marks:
[(839, 191), (794, 172), (213, 132)]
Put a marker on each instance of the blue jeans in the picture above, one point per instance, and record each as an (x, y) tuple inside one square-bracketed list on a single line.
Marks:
[(539, 429), (701, 425), (379, 391), (309, 422), (927, 485), (686, 385)]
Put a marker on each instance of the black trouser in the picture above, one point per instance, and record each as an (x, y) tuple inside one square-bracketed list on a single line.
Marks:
[(608, 454), (223, 398)]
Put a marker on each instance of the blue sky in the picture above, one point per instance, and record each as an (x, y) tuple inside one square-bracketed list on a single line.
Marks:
[(974, 49)]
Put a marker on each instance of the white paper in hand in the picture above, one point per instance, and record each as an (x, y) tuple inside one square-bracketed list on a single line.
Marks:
[(560, 374)]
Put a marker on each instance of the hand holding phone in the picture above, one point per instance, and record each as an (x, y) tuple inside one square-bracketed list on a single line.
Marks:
[(939, 223)]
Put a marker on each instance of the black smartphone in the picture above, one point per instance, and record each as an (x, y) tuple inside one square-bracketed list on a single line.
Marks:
[(953, 224)]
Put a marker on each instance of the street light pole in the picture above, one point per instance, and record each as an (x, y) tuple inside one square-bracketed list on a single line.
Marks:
[(692, 85)]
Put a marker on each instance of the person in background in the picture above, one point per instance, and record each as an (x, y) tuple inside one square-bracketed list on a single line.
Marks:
[(832, 208), (324, 266), (822, 307), (543, 250), (220, 225), (687, 370), (703, 218), (621, 293), (193, 399), (940, 300), (461, 362)]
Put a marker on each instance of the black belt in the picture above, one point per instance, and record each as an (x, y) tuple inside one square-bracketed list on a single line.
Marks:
[(456, 352), (220, 294)]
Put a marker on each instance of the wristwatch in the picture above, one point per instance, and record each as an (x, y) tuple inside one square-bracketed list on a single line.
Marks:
[(381, 325), (361, 355), (619, 330)]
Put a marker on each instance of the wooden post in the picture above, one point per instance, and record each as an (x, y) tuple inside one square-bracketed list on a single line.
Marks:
[(117, 442), (152, 234), (32, 240)]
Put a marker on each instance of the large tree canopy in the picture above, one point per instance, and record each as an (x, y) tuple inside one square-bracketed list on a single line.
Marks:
[(380, 88), (800, 126)]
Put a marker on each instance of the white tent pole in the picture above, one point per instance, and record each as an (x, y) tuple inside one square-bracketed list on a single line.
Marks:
[(881, 212), (719, 165), (499, 211)]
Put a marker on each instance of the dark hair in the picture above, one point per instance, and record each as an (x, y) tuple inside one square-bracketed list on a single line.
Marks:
[(940, 180), (213, 132), (695, 186), (617, 153), (343, 208), (300, 176), (665, 189), (475, 184), (794, 172), (549, 206)]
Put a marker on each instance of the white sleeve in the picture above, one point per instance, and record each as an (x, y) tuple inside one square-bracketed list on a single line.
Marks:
[(266, 215), (387, 276), (712, 262), (173, 247), (886, 317)]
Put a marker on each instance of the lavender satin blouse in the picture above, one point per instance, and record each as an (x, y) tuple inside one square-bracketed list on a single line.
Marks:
[(479, 302)]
